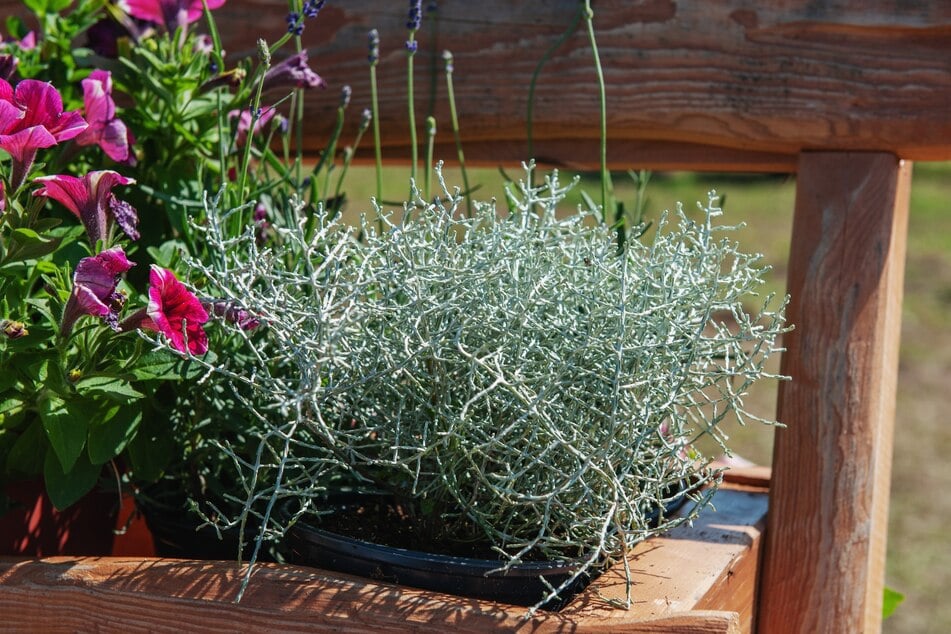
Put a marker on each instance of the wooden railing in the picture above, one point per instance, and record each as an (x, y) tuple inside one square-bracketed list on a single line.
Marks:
[(844, 94)]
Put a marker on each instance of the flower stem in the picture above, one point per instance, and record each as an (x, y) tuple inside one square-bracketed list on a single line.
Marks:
[(454, 118), (430, 141), (607, 188), (375, 105), (411, 107), (530, 114)]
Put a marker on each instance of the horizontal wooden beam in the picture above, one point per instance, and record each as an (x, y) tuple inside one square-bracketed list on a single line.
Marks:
[(697, 579), (701, 84), (695, 84)]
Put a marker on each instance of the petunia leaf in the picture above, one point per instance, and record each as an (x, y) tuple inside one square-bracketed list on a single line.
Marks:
[(151, 449), (27, 454), (112, 387), (160, 365), (109, 437), (66, 430), (66, 487)]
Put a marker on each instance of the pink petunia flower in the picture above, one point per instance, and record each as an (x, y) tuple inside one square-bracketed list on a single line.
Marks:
[(28, 43), (292, 73), (91, 199), (171, 13), (31, 118), (175, 312), (105, 130), (244, 123), (94, 289)]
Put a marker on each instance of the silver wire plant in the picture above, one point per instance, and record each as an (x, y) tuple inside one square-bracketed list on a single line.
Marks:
[(520, 377)]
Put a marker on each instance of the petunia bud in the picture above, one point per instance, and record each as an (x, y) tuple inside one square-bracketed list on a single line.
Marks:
[(13, 329)]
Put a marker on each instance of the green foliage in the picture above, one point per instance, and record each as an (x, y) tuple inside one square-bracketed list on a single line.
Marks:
[(891, 601), (78, 393)]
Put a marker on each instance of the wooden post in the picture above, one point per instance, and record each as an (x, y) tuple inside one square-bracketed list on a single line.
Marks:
[(825, 540)]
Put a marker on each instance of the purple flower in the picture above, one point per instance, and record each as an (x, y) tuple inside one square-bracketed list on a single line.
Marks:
[(373, 46), (292, 73), (91, 199), (27, 43), (204, 44), (8, 66), (13, 329), (171, 13), (103, 36), (175, 312), (105, 129), (94, 289), (244, 123), (31, 118), (261, 223), (232, 313), (295, 26), (415, 17), (313, 7)]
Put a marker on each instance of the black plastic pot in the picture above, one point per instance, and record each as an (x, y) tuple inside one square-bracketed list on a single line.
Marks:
[(465, 576), (180, 534)]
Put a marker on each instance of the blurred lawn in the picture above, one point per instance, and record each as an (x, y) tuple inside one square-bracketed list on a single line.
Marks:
[(919, 549)]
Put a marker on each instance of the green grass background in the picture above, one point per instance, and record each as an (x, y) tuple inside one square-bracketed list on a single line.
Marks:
[(919, 547)]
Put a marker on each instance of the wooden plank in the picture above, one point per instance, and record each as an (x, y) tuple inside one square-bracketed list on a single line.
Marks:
[(162, 595), (709, 565), (759, 79), (825, 550), (778, 78)]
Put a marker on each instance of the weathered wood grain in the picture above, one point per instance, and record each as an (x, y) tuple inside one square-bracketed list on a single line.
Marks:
[(825, 552), (705, 84), (678, 587), (767, 78)]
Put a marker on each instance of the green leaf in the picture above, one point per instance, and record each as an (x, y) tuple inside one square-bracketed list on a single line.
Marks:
[(57, 5), (8, 379), (158, 365), (36, 6), (28, 451), (10, 405), (67, 487), (891, 601), (112, 387), (45, 224), (15, 26), (27, 244), (152, 447), (25, 235), (66, 429), (167, 253), (107, 439)]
